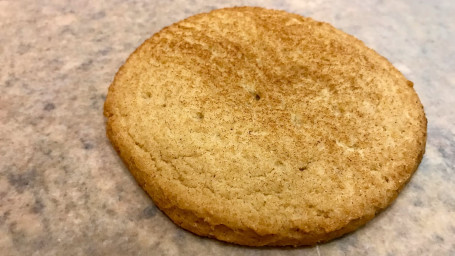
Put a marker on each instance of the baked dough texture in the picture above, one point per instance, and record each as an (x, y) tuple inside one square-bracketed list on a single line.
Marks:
[(262, 127)]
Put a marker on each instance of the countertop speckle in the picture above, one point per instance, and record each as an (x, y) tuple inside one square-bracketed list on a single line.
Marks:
[(64, 190)]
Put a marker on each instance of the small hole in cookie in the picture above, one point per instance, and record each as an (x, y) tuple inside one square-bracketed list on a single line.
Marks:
[(147, 95), (257, 96), (200, 115), (303, 168)]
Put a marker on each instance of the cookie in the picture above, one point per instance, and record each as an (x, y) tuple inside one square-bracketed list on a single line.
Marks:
[(262, 127)]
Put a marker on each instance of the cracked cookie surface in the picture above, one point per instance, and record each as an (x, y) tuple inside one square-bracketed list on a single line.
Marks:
[(261, 127)]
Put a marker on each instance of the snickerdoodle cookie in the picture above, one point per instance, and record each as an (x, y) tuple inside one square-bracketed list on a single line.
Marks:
[(261, 127)]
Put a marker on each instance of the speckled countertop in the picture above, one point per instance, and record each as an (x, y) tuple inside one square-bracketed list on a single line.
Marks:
[(64, 190)]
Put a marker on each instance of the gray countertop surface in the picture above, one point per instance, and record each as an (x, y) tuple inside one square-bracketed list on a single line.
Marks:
[(65, 191)]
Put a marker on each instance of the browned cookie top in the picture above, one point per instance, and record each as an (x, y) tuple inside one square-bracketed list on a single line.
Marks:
[(264, 127)]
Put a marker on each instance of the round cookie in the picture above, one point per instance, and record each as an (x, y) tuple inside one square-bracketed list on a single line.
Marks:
[(261, 127)]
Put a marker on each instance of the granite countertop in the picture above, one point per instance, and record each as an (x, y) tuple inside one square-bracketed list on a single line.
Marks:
[(64, 190)]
